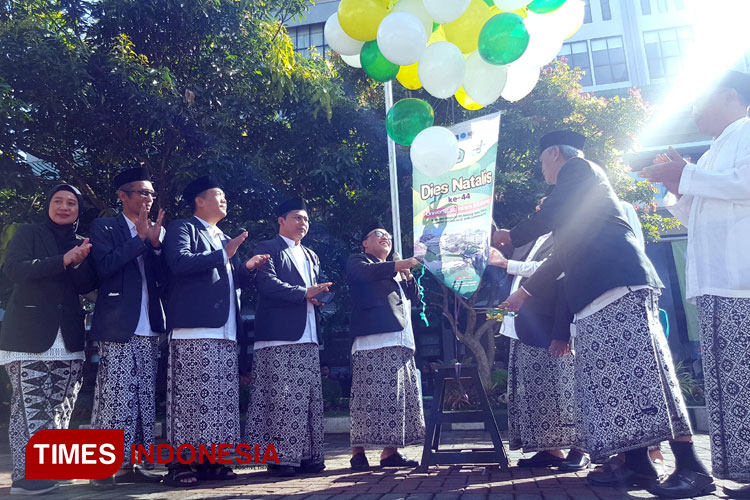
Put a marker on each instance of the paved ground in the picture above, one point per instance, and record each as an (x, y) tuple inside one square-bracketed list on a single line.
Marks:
[(338, 483)]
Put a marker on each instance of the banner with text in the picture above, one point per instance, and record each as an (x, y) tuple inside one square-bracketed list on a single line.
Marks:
[(453, 211)]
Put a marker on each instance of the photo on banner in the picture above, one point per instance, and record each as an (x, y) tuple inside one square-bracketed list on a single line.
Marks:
[(453, 211)]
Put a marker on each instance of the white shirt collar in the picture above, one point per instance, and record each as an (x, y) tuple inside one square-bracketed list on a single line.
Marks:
[(131, 224), (213, 229), (290, 242), (730, 128)]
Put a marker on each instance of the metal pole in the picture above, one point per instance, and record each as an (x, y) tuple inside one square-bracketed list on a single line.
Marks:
[(393, 176)]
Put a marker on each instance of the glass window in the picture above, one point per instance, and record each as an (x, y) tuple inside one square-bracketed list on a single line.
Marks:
[(666, 50), (305, 37), (606, 10), (586, 12), (576, 55), (661, 5), (646, 7), (608, 55), (679, 4)]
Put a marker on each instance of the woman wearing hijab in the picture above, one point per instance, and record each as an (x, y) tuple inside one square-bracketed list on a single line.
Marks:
[(42, 336)]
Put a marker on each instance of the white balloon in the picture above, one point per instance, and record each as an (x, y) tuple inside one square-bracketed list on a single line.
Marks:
[(441, 69), (401, 38), (511, 4), (352, 61), (545, 40), (445, 11), (416, 7), (434, 151), (521, 81), (483, 81), (338, 40), (569, 17)]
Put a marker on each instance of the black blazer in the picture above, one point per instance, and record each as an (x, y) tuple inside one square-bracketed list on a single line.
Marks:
[(544, 316), (594, 245), (114, 253), (281, 313), (45, 294), (376, 301), (198, 295)]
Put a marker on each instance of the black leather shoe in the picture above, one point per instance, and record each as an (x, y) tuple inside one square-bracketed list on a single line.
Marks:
[(621, 476), (575, 461), (541, 459), (359, 462), (683, 484), (742, 492), (398, 460), (285, 471), (309, 467)]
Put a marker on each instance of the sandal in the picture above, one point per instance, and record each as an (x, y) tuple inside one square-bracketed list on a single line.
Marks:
[(181, 477)]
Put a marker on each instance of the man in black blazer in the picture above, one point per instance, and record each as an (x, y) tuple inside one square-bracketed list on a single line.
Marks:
[(203, 315), (624, 376), (128, 318), (287, 400), (541, 407), (386, 404)]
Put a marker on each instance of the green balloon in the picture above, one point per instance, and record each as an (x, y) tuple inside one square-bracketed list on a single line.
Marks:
[(503, 39), (545, 6), (490, 3), (375, 64), (407, 118)]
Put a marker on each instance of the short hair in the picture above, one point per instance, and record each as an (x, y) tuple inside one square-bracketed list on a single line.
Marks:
[(567, 152)]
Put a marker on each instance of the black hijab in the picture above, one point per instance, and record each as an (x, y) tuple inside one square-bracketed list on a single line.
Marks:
[(65, 234)]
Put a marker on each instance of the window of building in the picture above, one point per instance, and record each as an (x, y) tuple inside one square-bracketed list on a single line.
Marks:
[(679, 4), (646, 7), (305, 37), (606, 10), (666, 50), (586, 12), (661, 5), (608, 55), (576, 55)]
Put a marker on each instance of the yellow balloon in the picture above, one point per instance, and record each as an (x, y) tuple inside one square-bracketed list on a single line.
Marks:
[(465, 101), (523, 11), (360, 18), (437, 36), (408, 77), (464, 31)]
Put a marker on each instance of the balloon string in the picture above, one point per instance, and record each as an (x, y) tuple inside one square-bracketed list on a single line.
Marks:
[(422, 314)]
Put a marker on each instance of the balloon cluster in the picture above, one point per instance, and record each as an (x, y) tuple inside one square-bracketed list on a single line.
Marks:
[(473, 50)]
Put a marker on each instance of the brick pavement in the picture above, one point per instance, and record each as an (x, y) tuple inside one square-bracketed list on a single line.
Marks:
[(338, 483)]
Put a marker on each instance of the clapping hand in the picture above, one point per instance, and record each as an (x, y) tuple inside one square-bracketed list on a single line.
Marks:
[(666, 169), (234, 244), (75, 255), (256, 261), (154, 230)]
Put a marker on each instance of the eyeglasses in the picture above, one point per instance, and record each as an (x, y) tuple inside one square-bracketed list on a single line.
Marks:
[(381, 234), (143, 192)]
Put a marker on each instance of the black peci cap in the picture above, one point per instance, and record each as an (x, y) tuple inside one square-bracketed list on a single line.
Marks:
[(130, 175), (291, 204), (198, 186), (562, 138)]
